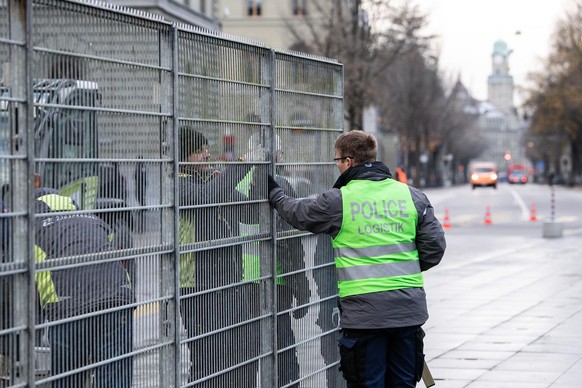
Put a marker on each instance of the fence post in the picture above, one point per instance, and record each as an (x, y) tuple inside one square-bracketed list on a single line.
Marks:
[(21, 185), (169, 319), (268, 327)]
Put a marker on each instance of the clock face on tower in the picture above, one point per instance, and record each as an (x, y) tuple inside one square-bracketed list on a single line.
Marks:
[(498, 59)]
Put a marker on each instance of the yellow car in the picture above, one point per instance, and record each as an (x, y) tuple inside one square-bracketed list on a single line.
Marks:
[(484, 174)]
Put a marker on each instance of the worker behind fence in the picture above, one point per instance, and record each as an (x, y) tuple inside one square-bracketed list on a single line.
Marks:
[(6, 306), (384, 235), (290, 260), (213, 303), (328, 318), (89, 296)]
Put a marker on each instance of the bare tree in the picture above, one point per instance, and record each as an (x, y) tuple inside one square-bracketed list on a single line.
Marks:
[(556, 98), (388, 63), (367, 36), (429, 120)]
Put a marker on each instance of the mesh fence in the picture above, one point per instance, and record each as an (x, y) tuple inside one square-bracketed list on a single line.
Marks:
[(151, 256)]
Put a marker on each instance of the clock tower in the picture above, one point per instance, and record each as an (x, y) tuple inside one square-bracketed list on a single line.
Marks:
[(500, 83)]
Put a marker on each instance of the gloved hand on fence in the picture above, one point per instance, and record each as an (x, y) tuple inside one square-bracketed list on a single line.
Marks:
[(271, 184)]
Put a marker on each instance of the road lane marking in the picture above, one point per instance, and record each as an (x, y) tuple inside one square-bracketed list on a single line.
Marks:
[(521, 203)]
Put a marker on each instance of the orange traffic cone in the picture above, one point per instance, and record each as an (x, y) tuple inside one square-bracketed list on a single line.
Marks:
[(447, 223), (533, 213), (487, 220)]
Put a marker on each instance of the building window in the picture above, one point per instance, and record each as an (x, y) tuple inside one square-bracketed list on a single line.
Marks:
[(299, 7), (254, 7)]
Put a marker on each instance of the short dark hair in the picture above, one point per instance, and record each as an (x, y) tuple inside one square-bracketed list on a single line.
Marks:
[(359, 145), (191, 142)]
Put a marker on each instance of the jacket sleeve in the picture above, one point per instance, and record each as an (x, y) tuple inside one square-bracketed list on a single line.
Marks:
[(430, 236), (321, 214), (215, 190)]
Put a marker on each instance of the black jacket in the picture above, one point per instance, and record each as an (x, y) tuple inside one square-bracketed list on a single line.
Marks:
[(79, 289), (203, 208)]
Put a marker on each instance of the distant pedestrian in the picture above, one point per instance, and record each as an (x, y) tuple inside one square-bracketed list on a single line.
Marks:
[(401, 175), (384, 235)]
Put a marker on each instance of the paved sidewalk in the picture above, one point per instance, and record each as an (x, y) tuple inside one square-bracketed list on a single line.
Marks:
[(508, 319)]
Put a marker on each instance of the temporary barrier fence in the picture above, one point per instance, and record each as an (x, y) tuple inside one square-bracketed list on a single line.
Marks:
[(167, 134)]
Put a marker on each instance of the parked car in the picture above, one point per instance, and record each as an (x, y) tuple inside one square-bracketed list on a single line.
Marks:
[(483, 174)]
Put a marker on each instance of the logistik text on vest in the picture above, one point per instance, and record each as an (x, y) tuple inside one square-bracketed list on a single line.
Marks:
[(379, 210)]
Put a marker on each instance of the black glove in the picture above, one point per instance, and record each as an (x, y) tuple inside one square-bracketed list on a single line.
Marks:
[(272, 184)]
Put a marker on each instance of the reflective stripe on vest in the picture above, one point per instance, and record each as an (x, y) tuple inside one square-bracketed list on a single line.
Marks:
[(375, 249), (251, 252), (187, 236), (44, 282), (57, 202)]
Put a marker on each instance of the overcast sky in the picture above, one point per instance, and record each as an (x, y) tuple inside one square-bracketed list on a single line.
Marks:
[(468, 29)]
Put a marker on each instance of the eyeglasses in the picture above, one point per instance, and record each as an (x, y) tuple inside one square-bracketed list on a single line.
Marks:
[(342, 158)]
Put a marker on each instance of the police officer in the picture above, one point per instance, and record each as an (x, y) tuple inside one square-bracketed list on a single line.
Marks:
[(384, 235)]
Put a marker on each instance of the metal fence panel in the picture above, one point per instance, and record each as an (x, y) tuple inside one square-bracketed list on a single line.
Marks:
[(308, 116), (169, 268)]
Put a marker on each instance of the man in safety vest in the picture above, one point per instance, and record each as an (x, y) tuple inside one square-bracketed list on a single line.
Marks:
[(211, 300), (384, 234), (93, 293)]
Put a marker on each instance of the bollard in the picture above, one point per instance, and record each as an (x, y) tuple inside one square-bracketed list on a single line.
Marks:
[(551, 228)]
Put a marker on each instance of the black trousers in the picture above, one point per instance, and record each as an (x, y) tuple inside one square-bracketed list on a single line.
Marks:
[(205, 315), (386, 358)]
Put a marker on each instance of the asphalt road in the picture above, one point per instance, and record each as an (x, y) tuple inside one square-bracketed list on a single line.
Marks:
[(506, 303)]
